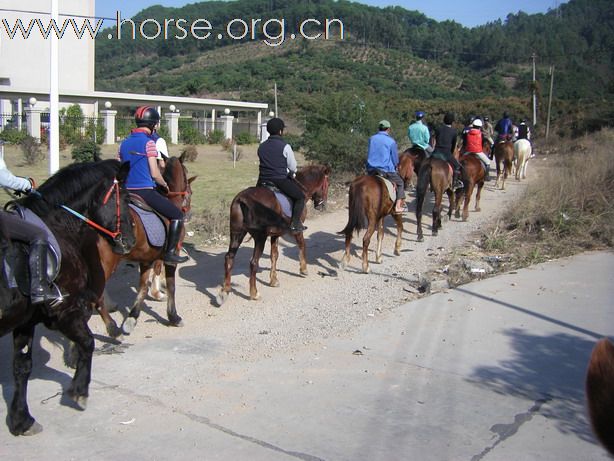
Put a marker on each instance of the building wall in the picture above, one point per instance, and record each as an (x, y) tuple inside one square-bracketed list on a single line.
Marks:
[(24, 62)]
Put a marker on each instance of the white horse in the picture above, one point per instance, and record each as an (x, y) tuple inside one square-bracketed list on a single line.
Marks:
[(522, 153)]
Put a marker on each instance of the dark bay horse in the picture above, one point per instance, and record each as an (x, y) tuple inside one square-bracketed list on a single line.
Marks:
[(504, 158), (257, 211), (148, 256), (437, 174), (369, 204), (95, 192), (472, 175), (600, 392)]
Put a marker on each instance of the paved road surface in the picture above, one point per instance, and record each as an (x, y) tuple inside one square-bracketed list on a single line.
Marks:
[(493, 370)]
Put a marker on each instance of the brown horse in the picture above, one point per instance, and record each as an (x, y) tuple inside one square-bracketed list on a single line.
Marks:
[(94, 194), (504, 158), (257, 211), (149, 256), (437, 174), (369, 204), (600, 392), (472, 174)]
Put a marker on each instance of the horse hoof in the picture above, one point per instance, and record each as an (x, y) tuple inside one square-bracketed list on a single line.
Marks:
[(34, 429), (366, 270), (305, 273), (478, 209), (81, 402), (114, 331), (128, 325), (221, 298), (420, 238), (176, 322), (158, 296), (397, 252), (274, 283), (435, 233), (255, 297)]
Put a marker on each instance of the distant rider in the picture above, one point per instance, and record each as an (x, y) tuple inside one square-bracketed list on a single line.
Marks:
[(445, 142), (419, 135), (383, 159), (504, 128), (473, 143)]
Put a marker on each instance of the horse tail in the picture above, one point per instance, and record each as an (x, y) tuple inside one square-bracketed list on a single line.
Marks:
[(357, 219), (600, 392), (424, 178)]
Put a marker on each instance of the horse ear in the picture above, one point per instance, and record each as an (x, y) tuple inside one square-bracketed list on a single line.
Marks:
[(326, 170), (183, 157), (192, 179), (122, 174)]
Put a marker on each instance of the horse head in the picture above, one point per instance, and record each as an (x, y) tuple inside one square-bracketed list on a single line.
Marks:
[(314, 179), (179, 186), (93, 193)]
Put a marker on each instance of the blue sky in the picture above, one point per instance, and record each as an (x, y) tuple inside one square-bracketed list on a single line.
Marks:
[(467, 13)]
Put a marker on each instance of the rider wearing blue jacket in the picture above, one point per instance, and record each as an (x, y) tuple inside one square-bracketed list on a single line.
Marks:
[(504, 128)]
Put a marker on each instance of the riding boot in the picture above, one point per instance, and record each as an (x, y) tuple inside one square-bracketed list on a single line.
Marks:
[(40, 287), (297, 210), (487, 174), (457, 183), (175, 227)]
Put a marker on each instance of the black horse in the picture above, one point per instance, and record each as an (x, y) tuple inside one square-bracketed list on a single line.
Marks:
[(78, 203)]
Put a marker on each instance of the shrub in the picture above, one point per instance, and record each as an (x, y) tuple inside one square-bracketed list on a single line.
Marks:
[(216, 137), (189, 134), (245, 138), (13, 135), (86, 151), (95, 130), (189, 153), (31, 149)]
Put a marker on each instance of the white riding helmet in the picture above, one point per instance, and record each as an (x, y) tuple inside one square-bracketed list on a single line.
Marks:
[(477, 123)]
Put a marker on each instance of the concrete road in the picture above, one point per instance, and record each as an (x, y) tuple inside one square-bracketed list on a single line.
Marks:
[(493, 370)]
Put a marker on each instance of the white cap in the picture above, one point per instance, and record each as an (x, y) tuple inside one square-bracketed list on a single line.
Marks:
[(162, 149)]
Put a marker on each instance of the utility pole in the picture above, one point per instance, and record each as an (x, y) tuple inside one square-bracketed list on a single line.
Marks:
[(550, 100), (533, 56), (276, 113)]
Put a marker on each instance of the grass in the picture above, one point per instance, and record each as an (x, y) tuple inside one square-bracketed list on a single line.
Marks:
[(568, 209)]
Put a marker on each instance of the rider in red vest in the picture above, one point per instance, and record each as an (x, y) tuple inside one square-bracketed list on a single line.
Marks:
[(473, 145)]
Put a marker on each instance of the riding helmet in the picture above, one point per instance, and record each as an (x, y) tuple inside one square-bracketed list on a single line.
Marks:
[(419, 115), (448, 119), (477, 123), (146, 116)]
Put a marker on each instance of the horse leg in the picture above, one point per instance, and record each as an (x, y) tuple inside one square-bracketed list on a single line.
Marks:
[(459, 198), (300, 241), (274, 282), (437, 212), (235, 242), (477, 196), (419, 204), (397, 244), (110, 325), (20, 421), (345, 259), (365, 245), (130, 322), (380, 240), (155, 290), (259, 241), (174, 320), (451, 201), (468, 193), (75, 328)]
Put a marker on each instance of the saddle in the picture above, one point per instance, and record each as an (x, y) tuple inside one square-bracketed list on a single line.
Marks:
[(390, 186), (153, 222), (484, 165), (16, 267), (285, 202)]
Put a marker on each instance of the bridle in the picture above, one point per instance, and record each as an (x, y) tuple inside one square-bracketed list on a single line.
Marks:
[(322, 201)]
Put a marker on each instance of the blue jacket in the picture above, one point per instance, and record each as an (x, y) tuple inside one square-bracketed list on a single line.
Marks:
[(383, 153), (133, 150)]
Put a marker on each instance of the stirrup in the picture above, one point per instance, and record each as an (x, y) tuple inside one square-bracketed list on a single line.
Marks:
[(299, 227), (45, 298)]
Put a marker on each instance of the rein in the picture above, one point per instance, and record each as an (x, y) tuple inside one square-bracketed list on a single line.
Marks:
[(114, 235)]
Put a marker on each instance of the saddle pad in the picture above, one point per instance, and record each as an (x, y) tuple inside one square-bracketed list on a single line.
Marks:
[(154, 227), (390, 186), (284, 202)]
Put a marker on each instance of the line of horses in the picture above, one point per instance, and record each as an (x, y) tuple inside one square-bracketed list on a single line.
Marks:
[(89, 257)]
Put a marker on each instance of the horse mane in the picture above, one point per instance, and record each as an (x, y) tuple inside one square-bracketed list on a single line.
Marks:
[(312, 175), (172, 164), (67, 186)]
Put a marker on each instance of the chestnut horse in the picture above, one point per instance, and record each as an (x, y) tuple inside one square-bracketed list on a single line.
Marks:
[(369, 204), (77, 204), (257, 211), (472, 175), (600, 392), (504, 157), (149, 256)]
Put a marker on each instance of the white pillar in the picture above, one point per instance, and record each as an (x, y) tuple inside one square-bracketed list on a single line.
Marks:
[(19, 113), (108, 121), (33, 123), (213, 115), (172, 122), (227, 121), (5, 112), (259, 122)]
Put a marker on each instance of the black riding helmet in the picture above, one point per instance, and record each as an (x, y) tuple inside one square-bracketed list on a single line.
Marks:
[(274, 126), (146, 116), (448, 119)]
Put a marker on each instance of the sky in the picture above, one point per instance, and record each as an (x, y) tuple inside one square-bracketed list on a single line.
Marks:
[(467, 13)]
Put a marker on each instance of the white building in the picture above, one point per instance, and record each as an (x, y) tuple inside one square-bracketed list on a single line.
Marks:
[(25, 55)]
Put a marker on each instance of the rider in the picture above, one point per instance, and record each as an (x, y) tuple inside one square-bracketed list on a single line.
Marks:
[(504, 128), (524, 132), (278, 166), (488, 131), (383, 159), (41, 288), (419, 135), (162, 149), (473, 145), (139, 149), (445, 142)]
